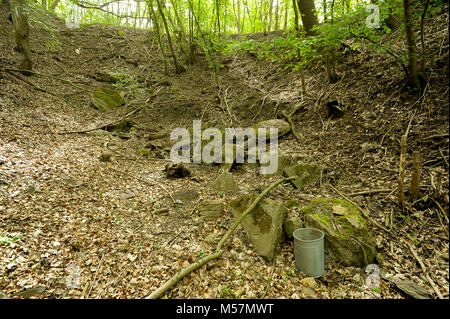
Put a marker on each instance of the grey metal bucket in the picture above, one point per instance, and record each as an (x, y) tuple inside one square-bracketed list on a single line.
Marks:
[(309, 253)]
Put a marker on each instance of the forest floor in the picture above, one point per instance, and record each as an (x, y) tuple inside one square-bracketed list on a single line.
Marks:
[(85, 204)]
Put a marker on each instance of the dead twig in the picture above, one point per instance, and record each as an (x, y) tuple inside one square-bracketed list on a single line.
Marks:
[(401, 172), (424, 269), (134, 158), (360, 209), (431, 137), (441, 210), (298, 136), (95, 277), (445, 160), (104, 125), (370, 192)]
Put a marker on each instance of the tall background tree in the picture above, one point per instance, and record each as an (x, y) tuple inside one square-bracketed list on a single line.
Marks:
[(21, 34)]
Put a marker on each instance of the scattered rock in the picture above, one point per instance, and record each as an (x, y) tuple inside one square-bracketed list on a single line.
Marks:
[(283, 163), (309, 282), (176, 171), (3, 295), (264, 226), (211, 210), (283, 128), (290, 225), (106, 99), (239, 292), (105, 77), (30, 292), (347, 236), (412, 289), (308, 292), (307, 174), (186, 196), (291, 203), (127, 195), (225, 183)]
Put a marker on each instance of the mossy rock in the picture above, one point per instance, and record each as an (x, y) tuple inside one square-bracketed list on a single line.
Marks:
[(105, 77), (291, 203), (264, 225), (225, 183), (283, 163), (290, 225), (347, 236), (106, 99), (306, 174)]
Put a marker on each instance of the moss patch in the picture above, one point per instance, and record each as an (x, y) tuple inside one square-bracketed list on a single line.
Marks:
[(346, 230), (106, 99)]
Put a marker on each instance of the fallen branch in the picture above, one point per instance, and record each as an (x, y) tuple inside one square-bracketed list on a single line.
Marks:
[(370, 192), (424, 269), (135, 158), (104, 125), (431, 137), (219, 251), (297, 136), (401, 173), (441, 210)]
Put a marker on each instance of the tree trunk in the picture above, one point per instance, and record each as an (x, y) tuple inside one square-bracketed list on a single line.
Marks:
[(277, 15), (308, 14), (270, 16), (294, 4), (239, 16), (218, 16), (155, 26), (413, 78), (423, 62), (21, 34), (54, 4)]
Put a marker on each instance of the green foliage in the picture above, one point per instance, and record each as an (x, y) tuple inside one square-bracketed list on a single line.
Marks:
[(7, 239), (295, 51), (292, 51), (53, 45)]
